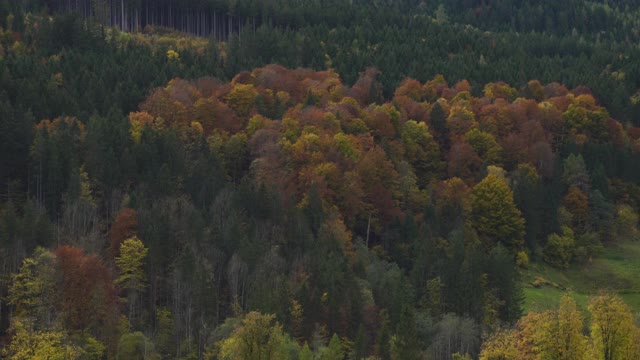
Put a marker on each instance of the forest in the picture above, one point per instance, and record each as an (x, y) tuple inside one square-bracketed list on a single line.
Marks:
[(319, 180)]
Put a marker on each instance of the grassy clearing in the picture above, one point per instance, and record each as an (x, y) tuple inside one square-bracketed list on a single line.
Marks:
[(617, 269)]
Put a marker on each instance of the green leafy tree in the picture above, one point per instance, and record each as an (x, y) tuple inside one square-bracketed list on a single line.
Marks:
[(130, 263), (627, 223), (560, 248), (131, 266), (136, 346), (258, 337), (422, 151), (306, 353), (32, 289), (31, 344), (334, 351), (90, 348), (494, 214), (485, 146)]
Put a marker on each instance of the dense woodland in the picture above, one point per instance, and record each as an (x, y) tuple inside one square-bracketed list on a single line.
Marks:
[(589, 43), (377, 194)]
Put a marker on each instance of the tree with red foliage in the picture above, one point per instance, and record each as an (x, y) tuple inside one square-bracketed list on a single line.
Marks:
[(464, 162), (367, 90), (87, 296), (124, 226)]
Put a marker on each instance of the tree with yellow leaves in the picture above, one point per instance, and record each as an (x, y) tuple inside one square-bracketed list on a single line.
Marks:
[(422, 152), (558, 334), (241, 98), (500, 346), (494, 214), (32, 289), (30, 344), (485, 146), (571, 343), (132, 276), (554, 334), (612, 328), (560, 248), (257, 338), (173, 55)]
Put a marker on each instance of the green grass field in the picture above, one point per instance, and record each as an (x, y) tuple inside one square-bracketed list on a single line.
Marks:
[(617, 270)]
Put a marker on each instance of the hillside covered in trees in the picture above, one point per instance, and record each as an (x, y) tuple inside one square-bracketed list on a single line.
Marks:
[(589, 43), (168, 196)]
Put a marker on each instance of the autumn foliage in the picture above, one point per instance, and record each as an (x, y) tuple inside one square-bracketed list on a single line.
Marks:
[(233, 183), (66, 289), (124, 226), (88, 297), (306, 129)]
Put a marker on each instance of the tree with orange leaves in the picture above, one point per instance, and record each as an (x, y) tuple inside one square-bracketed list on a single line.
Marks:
[(87, 295)]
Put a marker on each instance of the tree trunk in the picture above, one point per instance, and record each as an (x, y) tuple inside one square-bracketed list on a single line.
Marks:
[(122, 17)]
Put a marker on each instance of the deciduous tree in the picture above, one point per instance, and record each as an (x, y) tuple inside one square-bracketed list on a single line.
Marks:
[(501, 345), (124, 227), (258, 337), (30, 344), (131, 270), (611, 327), (560, 248), (494, 214), (422, 152)]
